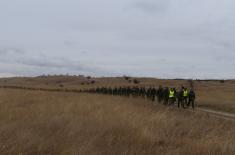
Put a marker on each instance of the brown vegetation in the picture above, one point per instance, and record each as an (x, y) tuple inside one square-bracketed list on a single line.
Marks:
[(34, 122), (212, 94)]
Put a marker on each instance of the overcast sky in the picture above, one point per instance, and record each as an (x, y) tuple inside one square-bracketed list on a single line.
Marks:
[(158, 38)]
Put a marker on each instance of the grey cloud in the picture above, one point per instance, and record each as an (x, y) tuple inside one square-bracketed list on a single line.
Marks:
[(11, 50), (225, 59), (225, 43), (151, 6), (57, 63), (40, 64), (71, 43)]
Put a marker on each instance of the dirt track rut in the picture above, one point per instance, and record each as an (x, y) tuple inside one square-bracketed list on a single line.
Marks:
[(218, 114)]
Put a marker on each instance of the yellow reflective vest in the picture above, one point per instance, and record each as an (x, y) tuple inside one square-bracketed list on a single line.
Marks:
[(185, 93), (171, 94)]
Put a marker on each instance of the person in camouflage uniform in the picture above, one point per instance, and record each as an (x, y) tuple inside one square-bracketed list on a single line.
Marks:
[(160, 94), (180, 98), (153, 93), (143, 92), (148, 93), (191, 99), (166, 95)]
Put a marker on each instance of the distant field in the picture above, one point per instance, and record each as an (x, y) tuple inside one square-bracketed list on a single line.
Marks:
[(34, 122), (217, 95)]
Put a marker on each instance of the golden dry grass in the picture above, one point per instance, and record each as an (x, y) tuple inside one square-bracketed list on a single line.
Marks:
[(69, 123), (211, 94)]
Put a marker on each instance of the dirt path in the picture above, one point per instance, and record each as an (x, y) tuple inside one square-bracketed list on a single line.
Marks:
[(218, 114)]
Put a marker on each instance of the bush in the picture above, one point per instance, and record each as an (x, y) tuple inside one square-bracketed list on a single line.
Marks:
[(126, 78), (61, 85), (136, 81), (222, 81)]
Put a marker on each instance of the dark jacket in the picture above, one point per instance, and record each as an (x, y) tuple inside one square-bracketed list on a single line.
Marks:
[(192, 95)]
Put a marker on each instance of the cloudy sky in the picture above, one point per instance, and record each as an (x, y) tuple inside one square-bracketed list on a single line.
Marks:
[(157, 38)]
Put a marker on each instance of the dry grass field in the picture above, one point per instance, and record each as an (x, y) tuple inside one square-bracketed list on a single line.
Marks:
[(210, 94), (41, 123)]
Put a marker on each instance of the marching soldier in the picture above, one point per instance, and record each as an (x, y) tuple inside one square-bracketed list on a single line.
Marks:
[(174, 89), (143, 92), (153, 93), (191, 97), (149, 92), (171, 96), (166, 95), (160, 94), (110, 91), (128, 91), (180, 96), (185, 96)]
